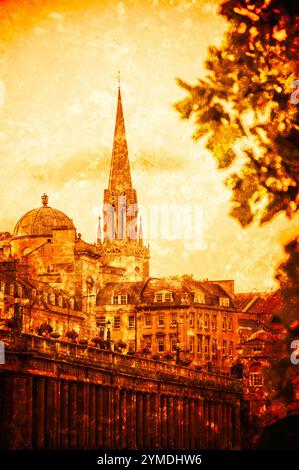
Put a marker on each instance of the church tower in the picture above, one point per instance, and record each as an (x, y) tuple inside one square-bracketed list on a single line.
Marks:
[(122, 237)]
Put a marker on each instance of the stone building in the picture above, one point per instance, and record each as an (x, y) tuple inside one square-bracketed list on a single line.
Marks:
[(71, 314), (172, 319), (55, 283)]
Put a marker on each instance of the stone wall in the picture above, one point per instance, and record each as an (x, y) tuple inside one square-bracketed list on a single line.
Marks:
[(65, 396)]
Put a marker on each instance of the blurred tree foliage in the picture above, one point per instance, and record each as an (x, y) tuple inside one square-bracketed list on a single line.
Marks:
[(244, 111), (243, 107)]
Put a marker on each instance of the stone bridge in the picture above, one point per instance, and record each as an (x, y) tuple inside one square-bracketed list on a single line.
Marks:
[(58, 395)]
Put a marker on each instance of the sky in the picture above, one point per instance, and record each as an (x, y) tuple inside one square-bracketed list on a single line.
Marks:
[(58, 87)]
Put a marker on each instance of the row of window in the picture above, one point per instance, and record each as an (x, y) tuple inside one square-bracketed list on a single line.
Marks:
[(161, 297), (204, 345), (116, 322), (195, 320), (50, 298)]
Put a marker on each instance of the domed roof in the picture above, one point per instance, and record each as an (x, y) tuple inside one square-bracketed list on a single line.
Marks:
[(42, 220)]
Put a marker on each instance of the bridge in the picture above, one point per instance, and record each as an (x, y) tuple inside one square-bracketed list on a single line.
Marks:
[(63, 395)]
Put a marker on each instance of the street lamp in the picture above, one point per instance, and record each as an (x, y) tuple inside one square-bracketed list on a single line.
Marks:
[(108, 323), (177, 347)]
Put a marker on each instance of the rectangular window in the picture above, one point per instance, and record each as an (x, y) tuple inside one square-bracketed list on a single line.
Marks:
[(173, 342), (159, 298), (207, 346), (224, 301), (173, 318), (116, 323), (214, 347), (207, 322), (199, 298), (224, 347), (168, 297), (224, 324), (199, 344), (119, 299), (11, 289), (231, 346), (2, 286), (131, 347), (199, 321), (148, 319), (255, 379), (191, 320), (147, 341), (20, 291), (214, 322), (161, 344), (191, 344), (102, 322), (161, 319), (230, 324), (131, 321)]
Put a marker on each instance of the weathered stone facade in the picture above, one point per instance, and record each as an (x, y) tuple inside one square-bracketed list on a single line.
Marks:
[(57, 395), (96, 349)]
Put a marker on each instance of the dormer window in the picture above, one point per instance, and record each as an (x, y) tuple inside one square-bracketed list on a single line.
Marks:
[(33, 293), (120, 299), (52, 299), (199, 297), (224, 301), (45, 297), (60, 301), (163, 297)]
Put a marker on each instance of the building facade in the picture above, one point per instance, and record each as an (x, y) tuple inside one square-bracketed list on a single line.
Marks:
[(55, 284)]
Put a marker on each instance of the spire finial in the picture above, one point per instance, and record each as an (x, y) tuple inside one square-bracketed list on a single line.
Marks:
[(118, 78), (45, 200), (99, 232)]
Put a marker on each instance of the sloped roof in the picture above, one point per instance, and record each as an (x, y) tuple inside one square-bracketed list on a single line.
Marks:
[(144, 292), (259, 302)]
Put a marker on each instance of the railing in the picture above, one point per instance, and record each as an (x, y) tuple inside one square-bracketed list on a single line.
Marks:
[(95, 355)]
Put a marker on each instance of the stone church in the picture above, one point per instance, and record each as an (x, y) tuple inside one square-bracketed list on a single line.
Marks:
[(56, 284)]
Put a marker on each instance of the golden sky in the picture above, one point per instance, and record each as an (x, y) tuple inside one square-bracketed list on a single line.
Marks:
[(58, 88)]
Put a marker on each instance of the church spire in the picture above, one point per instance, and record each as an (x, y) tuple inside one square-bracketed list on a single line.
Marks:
[(120, 174)]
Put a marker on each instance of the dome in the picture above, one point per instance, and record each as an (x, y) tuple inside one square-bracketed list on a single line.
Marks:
[(42, 220)]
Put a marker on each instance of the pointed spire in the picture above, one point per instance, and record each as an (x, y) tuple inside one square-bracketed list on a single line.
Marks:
[(120, 174), (140, 234)]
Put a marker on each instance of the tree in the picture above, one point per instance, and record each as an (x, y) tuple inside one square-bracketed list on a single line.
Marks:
[(243, 108)]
